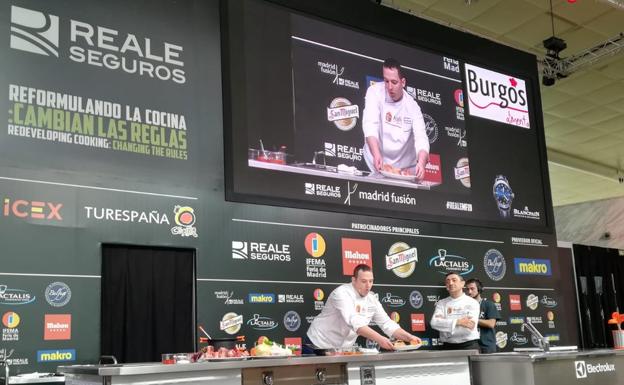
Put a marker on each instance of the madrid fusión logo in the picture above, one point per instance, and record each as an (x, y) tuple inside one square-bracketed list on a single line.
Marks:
[(34, 31)]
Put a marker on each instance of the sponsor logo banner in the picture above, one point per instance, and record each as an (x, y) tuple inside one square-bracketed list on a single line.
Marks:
[(416, 299), (583, 369), (514, 302), (11, 321), (322, 190), (548, 302), (231, 323), (261, 298), (496, 96), (57, 294), (315, 246), (501, 339), (392, 300), (532, 266), (355, 252), (401, 259), (261, 251), (292, 321), (293, 342), (446, 263), (226, 296), (433, 169), (57, 327), (418, 322), (58, 355), (290, 298), (258, 322), (532, 301), (10, 296), (20, 208), (519, 339), (494, 264)]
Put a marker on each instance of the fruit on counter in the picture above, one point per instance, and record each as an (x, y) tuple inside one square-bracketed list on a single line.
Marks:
[(266, 347)]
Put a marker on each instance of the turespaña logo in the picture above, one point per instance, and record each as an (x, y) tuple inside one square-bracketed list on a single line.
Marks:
[(315, 245), (448, 263), (292, 321), (58, 294), (532, 266), (15, 296), (231, 323), (392, 300), (34, 31), (494, 264), (261, 251), (401, 259), (21, 208), (10, 320), (185, 219), (258, 322), (416, 299), (261, 298), (496, 96), (58, 355)]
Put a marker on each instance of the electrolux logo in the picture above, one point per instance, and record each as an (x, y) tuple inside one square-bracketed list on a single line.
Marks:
[(21, 208), (58, 355), (496, 96), (57, 294), (583, 369), (532, 266), (261, 298), (36, 32)]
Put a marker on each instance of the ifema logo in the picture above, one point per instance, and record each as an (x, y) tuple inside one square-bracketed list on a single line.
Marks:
[(34, 31)]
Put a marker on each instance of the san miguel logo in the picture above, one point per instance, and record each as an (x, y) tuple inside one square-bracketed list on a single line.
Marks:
[(496, 96)]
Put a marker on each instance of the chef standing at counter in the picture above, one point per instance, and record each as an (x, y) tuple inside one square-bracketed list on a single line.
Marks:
[(347, 313)]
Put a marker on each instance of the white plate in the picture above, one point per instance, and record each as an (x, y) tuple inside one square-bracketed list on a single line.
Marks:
[(368, 351), (275, 356), (406, 348), (392, 175)]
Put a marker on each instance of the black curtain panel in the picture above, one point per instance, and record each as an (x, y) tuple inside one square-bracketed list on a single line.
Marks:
[(600, 277), (147, 303)]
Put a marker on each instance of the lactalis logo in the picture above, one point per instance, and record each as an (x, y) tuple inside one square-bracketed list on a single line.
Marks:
[(497, 96), (34, 31)]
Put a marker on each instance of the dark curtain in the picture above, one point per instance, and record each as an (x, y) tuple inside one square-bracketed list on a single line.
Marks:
[(600, 281), (147, 303)]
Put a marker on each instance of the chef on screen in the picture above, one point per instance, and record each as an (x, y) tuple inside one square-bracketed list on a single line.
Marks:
[(393, 125), (346, 315)]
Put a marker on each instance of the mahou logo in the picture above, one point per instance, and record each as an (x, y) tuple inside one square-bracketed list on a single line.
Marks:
[(496, 96)]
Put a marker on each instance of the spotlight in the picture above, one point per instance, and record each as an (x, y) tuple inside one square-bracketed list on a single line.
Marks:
[(554, 45), (548, 81)]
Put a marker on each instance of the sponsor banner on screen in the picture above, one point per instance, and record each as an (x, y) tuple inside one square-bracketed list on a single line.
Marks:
[(494, 265), (532, 266), (514, 302), (418, 322), (445, 263), (56, 355), (315, 246), (496, 96), (32, 209), (9, 296), (261, 251), (262, 323), (10, 321), (401, 259), (57, 327), (11, 358), (57, 294)]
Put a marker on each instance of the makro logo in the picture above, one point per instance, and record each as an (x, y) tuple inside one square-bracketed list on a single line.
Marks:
[(530, 266), (15, 296), (21, 208), (315, 245), (261, 298), (343, 151), (447, 263), (184, 217), (260, 251), (58, 355), (496, 96), (36, 32), (494, 264), (57, 294), (258, 322), (392, 300), (582, 369)]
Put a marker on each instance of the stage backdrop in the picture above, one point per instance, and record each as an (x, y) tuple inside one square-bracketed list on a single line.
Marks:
[(113, 132)]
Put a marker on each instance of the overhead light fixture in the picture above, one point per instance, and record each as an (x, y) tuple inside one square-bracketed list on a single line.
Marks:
[(554, 46)]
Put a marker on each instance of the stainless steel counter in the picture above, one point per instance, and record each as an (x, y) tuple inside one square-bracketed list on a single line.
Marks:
[(396, 368), (589, 367)]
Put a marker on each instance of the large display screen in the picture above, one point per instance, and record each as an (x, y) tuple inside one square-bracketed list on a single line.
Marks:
[(320, 115)]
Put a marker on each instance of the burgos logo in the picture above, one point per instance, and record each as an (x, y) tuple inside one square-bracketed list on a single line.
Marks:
[(526, 266), (57, 355), (32, 209), (184, 217), (496, 96), (261, 298), (260, 251), (36, 32)]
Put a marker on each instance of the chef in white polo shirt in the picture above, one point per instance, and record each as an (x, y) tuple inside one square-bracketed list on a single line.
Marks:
[(347, 313), (393, 125)]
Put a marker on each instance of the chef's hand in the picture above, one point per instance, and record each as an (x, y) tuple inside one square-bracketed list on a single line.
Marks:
[(385, 343), (466, 322), (378, 159), (419, 171)]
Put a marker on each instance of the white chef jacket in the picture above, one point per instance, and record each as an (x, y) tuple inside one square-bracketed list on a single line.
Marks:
[(398, 126), (445, 316), (344, 313)]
